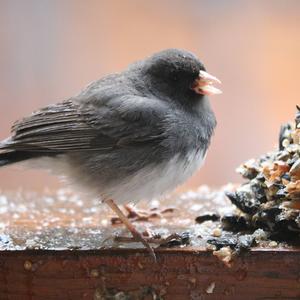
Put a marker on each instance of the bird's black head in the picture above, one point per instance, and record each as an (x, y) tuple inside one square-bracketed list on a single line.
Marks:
[(178, 74)]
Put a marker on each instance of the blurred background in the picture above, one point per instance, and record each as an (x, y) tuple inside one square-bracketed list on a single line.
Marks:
[(50, 49)]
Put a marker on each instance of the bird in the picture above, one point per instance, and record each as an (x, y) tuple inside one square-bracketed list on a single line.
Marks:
[(128, 136)]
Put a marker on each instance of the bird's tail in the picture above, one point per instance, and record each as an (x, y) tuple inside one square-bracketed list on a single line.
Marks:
[(11, 157)]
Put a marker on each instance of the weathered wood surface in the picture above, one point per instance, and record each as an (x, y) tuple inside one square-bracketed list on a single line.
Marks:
[(178, 274), (52, 248)]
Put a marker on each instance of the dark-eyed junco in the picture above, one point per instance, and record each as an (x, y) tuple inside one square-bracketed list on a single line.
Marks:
[(128, 136)]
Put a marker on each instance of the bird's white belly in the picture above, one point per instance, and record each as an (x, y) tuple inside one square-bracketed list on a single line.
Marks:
[(151, 182), (146, 184)]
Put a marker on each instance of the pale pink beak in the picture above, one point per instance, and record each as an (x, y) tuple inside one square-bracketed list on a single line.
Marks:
[(204, 84)]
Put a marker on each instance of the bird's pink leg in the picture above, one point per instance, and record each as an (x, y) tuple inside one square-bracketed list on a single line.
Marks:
[(130, 226)]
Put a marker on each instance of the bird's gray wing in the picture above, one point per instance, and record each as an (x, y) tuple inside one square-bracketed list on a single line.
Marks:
[(71, 126)]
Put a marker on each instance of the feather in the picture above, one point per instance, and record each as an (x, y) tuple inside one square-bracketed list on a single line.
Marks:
[(69, 126)]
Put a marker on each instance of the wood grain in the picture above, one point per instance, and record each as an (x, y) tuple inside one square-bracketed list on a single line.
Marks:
[(185, 274)]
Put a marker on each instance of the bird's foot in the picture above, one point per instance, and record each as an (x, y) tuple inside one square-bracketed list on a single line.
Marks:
[(136, 235), (174, 239), (137, 215)]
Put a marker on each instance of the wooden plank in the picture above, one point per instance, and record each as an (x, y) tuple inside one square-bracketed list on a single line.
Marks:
[(40, 274), (51, 247)]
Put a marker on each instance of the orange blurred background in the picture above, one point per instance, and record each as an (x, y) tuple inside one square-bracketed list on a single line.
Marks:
[(50, 49)]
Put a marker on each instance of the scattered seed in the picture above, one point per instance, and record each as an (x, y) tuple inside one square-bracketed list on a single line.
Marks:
[(211, 247), (273, 244), (210, 288), (217, 232), (94, 273), (28, 265), (207, 217), (225, 255), (192, 280), (285, 143), (141, 267)]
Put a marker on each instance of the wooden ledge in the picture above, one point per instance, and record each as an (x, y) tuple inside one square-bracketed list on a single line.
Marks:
[(51, 249), (178, 274)]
